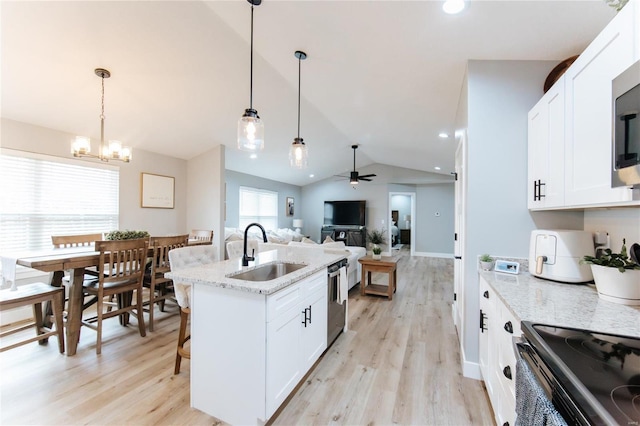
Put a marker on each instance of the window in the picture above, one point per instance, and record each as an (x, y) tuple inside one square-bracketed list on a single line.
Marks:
[(41, 196), (258, 205)]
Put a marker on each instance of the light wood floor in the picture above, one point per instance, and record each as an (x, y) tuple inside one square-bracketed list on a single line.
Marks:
[(398, 364)]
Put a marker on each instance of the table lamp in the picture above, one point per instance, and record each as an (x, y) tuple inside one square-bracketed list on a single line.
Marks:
[(407, 220), (298, 224)]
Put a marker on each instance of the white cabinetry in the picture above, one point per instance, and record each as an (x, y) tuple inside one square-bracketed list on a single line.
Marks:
[(589, 112), (497, 357), (570, 128), (249, 351), (296, 336), (546, 149)]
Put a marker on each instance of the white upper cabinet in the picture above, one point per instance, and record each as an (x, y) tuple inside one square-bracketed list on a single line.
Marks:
[(570, 128), (546, 150), (589, 113)]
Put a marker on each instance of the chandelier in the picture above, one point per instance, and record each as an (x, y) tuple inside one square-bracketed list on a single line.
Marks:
[(81, 146)]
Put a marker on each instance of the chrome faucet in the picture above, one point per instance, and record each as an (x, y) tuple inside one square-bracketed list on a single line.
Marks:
[(245, 257)]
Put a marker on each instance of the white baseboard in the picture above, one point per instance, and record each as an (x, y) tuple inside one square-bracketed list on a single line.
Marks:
[(470, 370), (428, 254)]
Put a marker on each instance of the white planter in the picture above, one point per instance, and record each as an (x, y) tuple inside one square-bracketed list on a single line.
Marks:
[(618, 287), (486, 266), (376, 256)]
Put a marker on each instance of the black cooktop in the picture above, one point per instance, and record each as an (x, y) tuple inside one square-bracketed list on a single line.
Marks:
[(599, 370)]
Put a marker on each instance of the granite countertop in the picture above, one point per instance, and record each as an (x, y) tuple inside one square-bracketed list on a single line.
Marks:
[(570, 305), (217, 274)]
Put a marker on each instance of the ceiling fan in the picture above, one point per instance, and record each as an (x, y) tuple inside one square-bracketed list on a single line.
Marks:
[(354, 176)]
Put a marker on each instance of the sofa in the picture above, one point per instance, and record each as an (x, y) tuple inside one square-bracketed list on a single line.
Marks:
[(354, 269)]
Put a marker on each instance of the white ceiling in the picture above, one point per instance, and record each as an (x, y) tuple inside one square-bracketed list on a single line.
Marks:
[(383, 74)]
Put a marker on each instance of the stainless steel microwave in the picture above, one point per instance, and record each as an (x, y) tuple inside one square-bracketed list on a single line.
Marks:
[(626, 128)]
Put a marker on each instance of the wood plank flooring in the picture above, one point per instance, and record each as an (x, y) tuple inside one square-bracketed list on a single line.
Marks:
[(399, 363)]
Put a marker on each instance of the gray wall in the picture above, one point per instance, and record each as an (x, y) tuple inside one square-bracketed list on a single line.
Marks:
[(235, 180), (498, 97), (435, 226), (401, 203)]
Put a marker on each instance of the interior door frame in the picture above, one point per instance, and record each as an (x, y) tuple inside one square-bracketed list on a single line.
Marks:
[(414, 219)]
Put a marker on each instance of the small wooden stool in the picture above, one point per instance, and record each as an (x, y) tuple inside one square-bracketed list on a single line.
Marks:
[(35, 294), (386, 265)]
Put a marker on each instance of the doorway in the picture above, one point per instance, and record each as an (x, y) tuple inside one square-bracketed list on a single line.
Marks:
[(402, 221)]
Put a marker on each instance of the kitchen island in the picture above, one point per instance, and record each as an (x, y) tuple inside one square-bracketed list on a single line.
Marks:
[(253, 341)]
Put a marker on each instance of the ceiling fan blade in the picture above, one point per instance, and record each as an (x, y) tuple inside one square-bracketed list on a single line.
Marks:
[(367, 176), (365, 179)]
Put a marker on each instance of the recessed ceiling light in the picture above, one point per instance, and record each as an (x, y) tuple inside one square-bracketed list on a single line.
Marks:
[(253, 156), (453, 6), (437, 168), (443, 135), (312, 175)]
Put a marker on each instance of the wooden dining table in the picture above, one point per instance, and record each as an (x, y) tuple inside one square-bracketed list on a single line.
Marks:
[(56, 262), (75, 260)]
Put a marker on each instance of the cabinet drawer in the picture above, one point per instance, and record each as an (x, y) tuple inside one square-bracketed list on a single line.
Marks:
[(281, 301), (315, 282)]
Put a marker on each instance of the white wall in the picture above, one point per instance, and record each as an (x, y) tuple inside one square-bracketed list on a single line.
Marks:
[(235, 180), (619, 223), (205, 194), (28, 137), (401, 203)]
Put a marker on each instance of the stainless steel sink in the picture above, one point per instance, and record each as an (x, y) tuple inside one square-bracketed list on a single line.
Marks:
[(267, 272)]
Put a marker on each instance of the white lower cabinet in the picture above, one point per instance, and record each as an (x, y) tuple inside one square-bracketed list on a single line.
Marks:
[(295, 338), (497, 356), (249, 351)]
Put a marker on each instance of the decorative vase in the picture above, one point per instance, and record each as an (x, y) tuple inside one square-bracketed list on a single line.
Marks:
[(376, 256), (615, 286), (486, 266)]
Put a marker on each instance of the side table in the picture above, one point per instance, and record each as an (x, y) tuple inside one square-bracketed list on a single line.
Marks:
[(386, 264)]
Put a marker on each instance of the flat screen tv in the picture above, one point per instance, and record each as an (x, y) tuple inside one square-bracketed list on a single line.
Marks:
[(345, 213)]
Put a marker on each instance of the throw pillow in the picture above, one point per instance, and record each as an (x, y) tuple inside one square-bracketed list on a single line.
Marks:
[(328, 240), (308, 241)]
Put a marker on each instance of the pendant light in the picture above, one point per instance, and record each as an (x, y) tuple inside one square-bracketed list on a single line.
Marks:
[(81, 147), (250, 126), (298, 154)]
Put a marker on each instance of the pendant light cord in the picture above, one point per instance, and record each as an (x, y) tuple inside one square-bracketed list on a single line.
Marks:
[(299, 68), (102, 117), (251, 68)]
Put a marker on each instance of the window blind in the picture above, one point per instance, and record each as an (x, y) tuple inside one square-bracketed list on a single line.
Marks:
[(41, 196), (258, 205)]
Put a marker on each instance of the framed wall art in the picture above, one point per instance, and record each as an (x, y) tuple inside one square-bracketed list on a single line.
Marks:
[(157, 191), (290, 208)]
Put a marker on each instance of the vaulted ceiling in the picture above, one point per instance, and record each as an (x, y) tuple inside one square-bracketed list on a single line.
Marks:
[(385, 75)]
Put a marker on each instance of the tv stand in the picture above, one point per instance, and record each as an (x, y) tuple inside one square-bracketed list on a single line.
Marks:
[(350, 235)]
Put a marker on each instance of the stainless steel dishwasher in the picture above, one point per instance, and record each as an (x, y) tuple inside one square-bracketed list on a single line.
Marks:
[(336, 310)]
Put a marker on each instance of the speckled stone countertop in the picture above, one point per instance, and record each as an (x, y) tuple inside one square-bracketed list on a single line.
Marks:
[(217, 274), (569, 305)]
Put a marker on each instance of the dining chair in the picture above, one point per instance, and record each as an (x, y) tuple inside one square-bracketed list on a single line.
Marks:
[(61, 241), (181, 258), (159, 286), (120, 273), (34, 294), (201, 235)]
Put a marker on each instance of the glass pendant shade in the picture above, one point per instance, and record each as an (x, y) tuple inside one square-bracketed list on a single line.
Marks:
[(250, 132), (298, 154), (81, 146)]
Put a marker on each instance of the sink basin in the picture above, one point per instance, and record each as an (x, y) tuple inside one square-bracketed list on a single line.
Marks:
[(268, 272)]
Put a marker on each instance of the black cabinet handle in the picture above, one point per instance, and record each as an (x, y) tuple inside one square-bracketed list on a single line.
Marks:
[(482, 318), (507, 372), (304, 321), (505, 424), (508, 327), (309, 314), (486, 294)]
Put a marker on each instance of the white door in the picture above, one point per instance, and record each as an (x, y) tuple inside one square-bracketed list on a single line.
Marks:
[(458, 245)]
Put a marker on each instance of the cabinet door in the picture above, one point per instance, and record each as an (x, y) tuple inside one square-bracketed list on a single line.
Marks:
[(314, 334), (283, 367), (546, 149), (589, 113)]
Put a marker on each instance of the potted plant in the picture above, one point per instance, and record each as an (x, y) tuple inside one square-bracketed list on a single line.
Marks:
[(616, 276), (125, 235), (486, 262), (376, 237)]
